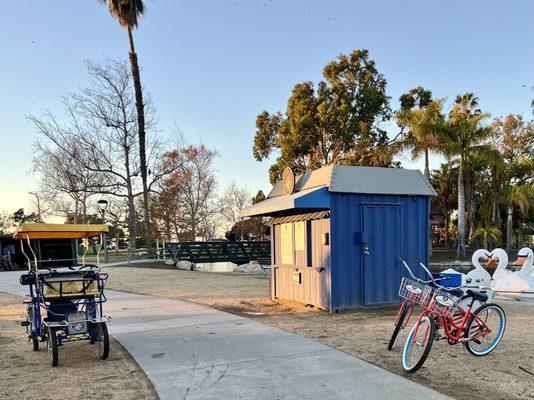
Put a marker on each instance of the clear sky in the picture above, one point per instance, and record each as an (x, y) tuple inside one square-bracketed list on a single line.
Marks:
[(212, 65)]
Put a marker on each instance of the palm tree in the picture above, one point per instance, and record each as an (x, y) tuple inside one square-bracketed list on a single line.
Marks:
[(444, 181), (486, 234), (497, 172), (461, 140), (423, 123), (520, 196), (127, 13)]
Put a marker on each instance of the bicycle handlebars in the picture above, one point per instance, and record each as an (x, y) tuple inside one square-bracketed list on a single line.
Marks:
[(411, 273), (432, 279)]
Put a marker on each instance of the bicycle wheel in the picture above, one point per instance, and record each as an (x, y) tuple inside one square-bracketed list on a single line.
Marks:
[(418, 344), (493, 318), (403, 313), (52, 347), (103, 341), (35, 343)]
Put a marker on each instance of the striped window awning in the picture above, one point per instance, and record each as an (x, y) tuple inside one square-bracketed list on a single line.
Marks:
[(299, 217)]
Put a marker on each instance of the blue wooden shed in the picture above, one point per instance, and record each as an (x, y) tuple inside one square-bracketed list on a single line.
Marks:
[(337, 234)]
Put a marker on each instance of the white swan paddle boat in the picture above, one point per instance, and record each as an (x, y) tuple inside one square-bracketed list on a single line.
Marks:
[(479, 276), (506, 281)]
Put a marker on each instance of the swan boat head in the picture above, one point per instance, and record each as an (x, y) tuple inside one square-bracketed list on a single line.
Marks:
[(500, 257), (478, 255), (525, 258)]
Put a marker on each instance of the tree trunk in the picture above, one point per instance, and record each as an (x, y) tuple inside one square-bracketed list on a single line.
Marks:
[(427, 168), (447, 223), (131, 201), (131, 223), (494, 211), (193, 230), (142, 136), (468, 200), (519, 237), (84, 209), (427, 175), (176, 231), (496, 219), (75, 221), (460, 254), (168, 229), (509, 228), (118, 239), (75, 218), (472, 222)]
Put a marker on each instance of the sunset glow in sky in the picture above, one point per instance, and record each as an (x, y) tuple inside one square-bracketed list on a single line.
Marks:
[(212, 66)]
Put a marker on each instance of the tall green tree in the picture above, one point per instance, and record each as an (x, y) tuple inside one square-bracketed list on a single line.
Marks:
[(475, 183), (520, 196), (423, 118), (127, 12), (445, 181), (259, 222), (336, 121), (462, 138), (513, 167)]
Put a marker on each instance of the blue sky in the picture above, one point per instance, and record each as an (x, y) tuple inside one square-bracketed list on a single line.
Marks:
[(211, 66)]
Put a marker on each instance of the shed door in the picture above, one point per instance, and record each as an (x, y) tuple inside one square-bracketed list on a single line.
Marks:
[(380, 253)]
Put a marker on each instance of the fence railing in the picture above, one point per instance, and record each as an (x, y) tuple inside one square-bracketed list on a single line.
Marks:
[(235, 252)]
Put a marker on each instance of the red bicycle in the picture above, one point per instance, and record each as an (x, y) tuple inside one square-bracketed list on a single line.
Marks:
[(480, 330)]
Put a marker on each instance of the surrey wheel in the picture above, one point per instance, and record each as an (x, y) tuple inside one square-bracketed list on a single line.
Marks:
[(35, 343), (103, 341), (51, 344)]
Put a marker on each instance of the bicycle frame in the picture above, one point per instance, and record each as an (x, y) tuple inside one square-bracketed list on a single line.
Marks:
[(455, 325)]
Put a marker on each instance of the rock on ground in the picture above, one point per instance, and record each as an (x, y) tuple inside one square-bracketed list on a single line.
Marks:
[(185, 265), (250, 269)]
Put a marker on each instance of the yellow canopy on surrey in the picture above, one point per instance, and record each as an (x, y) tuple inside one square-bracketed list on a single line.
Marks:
[(59, 231)]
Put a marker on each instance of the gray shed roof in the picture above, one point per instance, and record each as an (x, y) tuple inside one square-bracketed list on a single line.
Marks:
[(364, 180), (311, 188)]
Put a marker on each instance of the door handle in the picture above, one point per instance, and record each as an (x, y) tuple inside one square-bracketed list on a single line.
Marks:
[(365, 250)]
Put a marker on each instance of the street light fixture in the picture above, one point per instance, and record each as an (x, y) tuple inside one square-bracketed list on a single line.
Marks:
[(103, 205)]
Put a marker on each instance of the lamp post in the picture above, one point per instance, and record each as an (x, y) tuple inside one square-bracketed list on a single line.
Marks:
[(103, 205)]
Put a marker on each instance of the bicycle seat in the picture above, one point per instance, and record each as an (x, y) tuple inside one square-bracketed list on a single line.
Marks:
[(456, 292), (482, 297)]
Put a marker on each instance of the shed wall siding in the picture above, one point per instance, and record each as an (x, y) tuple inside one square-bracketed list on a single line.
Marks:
[(315, 286), (346, 220)]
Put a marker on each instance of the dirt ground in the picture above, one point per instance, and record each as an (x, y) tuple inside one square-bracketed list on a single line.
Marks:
[(507, 373), (25, 374)]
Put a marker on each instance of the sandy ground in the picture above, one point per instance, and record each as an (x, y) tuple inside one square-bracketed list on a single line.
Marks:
[(365, 334), (25, 374)]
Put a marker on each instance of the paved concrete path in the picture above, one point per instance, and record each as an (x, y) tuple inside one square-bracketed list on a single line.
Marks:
[(190, 351)]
